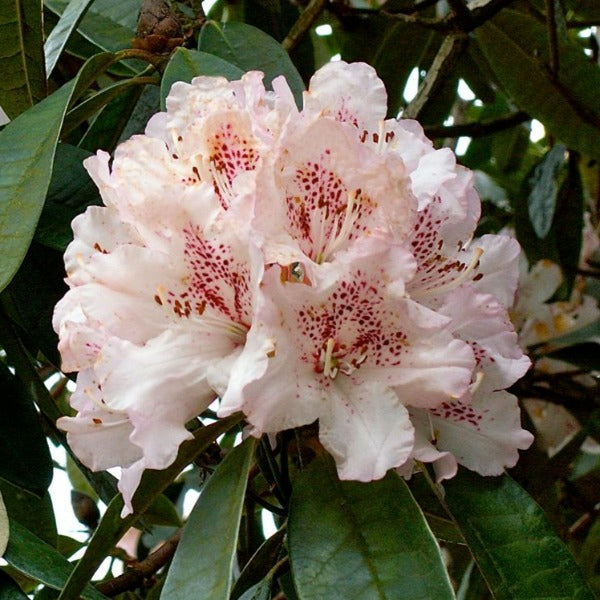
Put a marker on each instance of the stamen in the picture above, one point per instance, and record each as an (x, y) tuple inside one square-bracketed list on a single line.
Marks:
[(328, 366), (478, 379), (432, 432), (223, 185), (338, 239), (462, 277)]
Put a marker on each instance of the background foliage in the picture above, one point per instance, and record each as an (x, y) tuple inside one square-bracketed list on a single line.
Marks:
[(81, 75)]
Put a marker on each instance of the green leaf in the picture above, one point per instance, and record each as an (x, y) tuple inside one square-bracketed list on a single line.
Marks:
[(23, 82), (259, 565), (27, 148), (514, 545), (545, 183), (104, 133), (552, 186), (24, 457), (109, 24), (112, 527), (185, 64), (36, 514), (260, 591), (4, 527), (30, 298), (361, 540), (10, 589), (94, 103), (30, 555), (585, 356), (251, 49), (61, 32), (568, 225), (162, 512), (203, 562), (70, 192), (377, 40), (516, 47)]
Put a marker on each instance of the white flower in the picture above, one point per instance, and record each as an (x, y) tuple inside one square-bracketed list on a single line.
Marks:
[(303, 265)]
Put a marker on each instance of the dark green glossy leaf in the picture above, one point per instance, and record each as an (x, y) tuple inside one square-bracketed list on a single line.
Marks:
[(59, 36), (93, 104), (185, 64), (23, 82), (109, 24), (70, 192), (516, 47), (586, 356), (379, 41), (568, 225), (589, 556), (105, 132), (361, 540), (30, 298), (10, 589), (514, 545), (36, 514), (545, 183), (112, 526), (260, 591), (147, 106), (509, 147), (27, 147), (249, 48), (162, 512), (24, 456), (213, 526), (30, 555), (588, 10), (259, 565), (562, 242)]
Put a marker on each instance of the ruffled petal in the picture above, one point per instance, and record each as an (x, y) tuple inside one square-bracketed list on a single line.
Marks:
[(350, 93), (366, 429), (483, 434)]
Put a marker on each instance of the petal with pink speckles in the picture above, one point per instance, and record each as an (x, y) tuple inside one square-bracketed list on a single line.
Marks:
[(326, 190), (98, 435), (484, 434), (481, 321), (350, 93)]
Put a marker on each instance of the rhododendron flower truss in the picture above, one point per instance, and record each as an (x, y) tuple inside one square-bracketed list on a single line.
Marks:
[(301, 265)]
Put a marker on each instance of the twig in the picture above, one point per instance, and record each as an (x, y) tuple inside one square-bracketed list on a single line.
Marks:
[(460, 20), (134, 576), (418, 6), (444, 61), (305, 21), (582, 24), (443, 25), (462, 14), (477, 128), (552, 37)]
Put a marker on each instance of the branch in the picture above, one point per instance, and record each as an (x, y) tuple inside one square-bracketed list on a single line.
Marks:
[(477, 128), (552, 38), (444, 61), (134, 577), (460, 20), (305, 21)]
